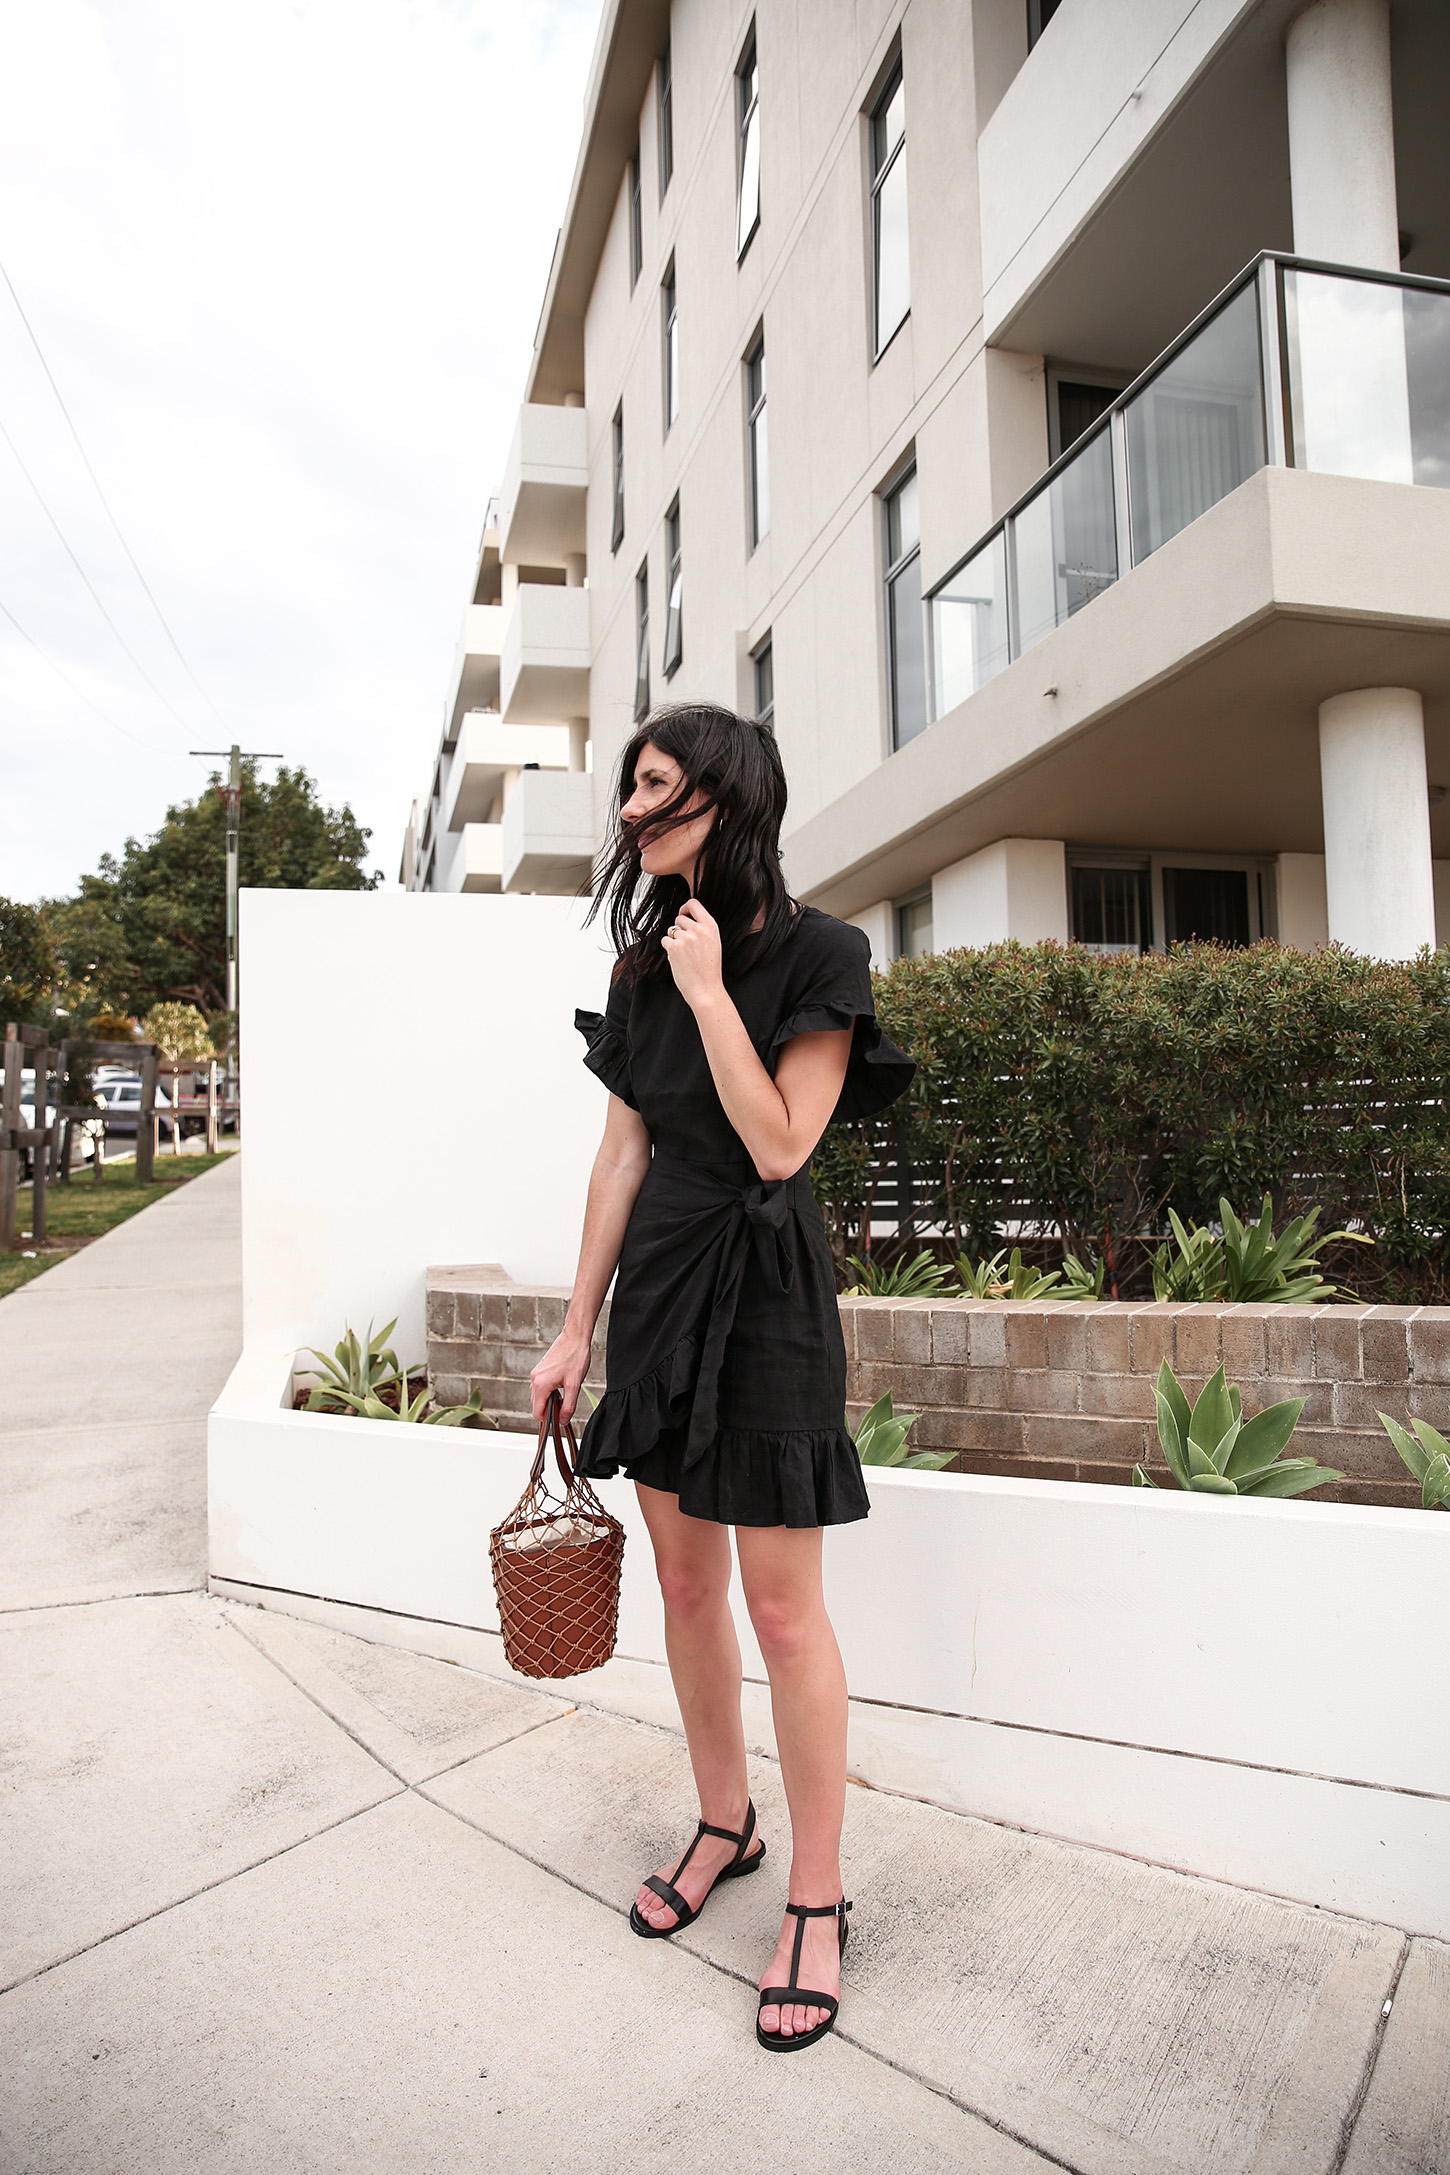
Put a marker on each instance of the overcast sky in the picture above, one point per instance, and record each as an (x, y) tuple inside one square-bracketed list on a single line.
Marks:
[(285, 262)]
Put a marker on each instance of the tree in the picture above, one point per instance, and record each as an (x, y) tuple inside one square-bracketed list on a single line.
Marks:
[(150, 926), (27, 958), (180, 1031)]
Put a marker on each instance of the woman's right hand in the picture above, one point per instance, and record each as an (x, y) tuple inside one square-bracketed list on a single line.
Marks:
[(562, 1368)]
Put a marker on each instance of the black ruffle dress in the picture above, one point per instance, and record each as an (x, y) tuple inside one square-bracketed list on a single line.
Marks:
[(725, 1365)]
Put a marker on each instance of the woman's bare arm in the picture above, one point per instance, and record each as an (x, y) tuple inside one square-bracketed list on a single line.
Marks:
[(618, 1173), (779, 1120)]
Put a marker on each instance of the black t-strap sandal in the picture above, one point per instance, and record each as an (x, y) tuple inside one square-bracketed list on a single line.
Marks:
[(667, 1893), (796, 1996)]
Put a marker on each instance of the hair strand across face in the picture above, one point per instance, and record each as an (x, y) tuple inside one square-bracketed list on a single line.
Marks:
[(734, 764)]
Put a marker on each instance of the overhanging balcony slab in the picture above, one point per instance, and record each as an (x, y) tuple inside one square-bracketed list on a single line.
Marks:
[(541, 520), (1179, 709), (478, 860), (476, 666), (486, 748), (548, 831), (544, 670)]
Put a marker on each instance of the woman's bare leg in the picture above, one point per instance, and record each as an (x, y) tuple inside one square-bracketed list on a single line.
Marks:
[(781, 1570), (692, 1558)]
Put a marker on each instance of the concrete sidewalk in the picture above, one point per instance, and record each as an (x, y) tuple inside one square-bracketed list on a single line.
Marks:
[(277, 1899)]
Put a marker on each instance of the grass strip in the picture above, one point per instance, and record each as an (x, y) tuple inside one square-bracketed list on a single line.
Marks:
[(81, 1211)]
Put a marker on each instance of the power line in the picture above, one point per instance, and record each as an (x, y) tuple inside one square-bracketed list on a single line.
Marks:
[(100, 494), (78, 692), (85, 577)]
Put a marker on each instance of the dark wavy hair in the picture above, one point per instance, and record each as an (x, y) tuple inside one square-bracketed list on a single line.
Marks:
[(735, 764)]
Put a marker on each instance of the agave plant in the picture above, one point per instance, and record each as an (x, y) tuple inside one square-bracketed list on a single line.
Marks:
[(356, 1370), (987, 1279), (1427, 1457), (1247, 1264), (923, 1278), (1080, 1282), (881, 1440), (1213, 1450), (373, 1408)]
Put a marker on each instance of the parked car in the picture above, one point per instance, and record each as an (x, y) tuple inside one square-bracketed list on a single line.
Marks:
[(120, 1098)]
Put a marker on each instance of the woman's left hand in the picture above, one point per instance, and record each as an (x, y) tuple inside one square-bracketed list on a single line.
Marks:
[(692, 946)]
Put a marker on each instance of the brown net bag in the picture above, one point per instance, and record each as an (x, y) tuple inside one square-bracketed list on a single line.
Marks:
[(556, 1565)]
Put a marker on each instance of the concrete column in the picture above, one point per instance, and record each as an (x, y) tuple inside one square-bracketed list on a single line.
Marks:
[(574, 565), (1342, 136), (573, 400), (1378, 876), (876, 924), (508, 583), (1303, 902), (1015, 888), (578, 742)]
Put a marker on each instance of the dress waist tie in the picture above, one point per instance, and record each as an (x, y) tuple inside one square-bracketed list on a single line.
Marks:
[(757, 1218)]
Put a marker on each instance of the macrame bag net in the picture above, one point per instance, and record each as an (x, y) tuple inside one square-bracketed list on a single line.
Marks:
[(556, 1564)]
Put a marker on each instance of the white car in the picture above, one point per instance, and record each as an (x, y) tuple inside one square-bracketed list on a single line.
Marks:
[(120, 1098)]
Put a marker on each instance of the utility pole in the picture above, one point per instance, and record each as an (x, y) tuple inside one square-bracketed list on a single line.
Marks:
[(232, 795)]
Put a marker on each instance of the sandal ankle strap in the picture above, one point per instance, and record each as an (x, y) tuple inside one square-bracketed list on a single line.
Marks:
[(818, 1910)]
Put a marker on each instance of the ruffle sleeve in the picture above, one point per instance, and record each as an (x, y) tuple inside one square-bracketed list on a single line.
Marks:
[(607, 1036), (837, 994)]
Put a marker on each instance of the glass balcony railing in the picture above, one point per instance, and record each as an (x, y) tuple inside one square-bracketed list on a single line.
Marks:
[(1295, 364)]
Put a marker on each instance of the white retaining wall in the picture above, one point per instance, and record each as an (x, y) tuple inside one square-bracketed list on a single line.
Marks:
[(414, 1094), (1245, 1690)]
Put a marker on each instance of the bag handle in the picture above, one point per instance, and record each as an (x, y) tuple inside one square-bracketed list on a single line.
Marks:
[(567, 1460)]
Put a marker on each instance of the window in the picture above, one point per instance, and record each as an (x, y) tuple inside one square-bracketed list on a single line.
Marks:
[(616, 533), (891, 271), (759, 449), (667, 120), (641, 642), (764, 662), (1206, 905), (913, 924), (1039, 15), (636, 221), (672, 348), (905, 638), (1073, 406), (1112, 908), (674, 637), (747, 111)]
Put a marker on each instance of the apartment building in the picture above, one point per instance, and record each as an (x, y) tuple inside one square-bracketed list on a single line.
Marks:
[(1040, 410)]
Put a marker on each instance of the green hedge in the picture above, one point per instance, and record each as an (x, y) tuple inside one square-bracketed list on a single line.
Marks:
[(1081, 1097)]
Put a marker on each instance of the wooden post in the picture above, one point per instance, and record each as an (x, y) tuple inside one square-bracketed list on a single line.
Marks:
[(176, 1109), (146, 1115), (211, 1107), (9, 1119), (62, 1074), (39, 1147)]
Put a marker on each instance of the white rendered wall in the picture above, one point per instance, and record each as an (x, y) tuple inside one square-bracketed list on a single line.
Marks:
[(877, 925), (1341, 134), (1303, 901), (414, 1095), (1378, 873), (1014, 888)]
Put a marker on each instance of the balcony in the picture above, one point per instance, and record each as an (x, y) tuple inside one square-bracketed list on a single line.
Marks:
[(476, 667), (542, 503), (486, 750), (477, 863), (1295, 366), (1136, 654), (548, 831), (544, 670)]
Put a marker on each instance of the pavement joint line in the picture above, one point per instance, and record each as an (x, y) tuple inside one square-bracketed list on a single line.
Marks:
[(176, 1903), (363, 1746), (1355, 2108), (100, 1427), (99, 1600), (741, 1978)]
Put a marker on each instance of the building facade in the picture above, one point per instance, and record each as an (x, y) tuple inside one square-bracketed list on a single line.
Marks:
[(1038, 409)]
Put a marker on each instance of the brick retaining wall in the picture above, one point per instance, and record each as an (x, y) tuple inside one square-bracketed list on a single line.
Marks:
[(1045, 1391)]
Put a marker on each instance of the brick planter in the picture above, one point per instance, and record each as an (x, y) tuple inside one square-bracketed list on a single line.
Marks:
[(1036, 1390)]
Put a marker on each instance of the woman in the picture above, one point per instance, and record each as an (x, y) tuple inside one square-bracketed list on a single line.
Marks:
[(739, 1024)]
